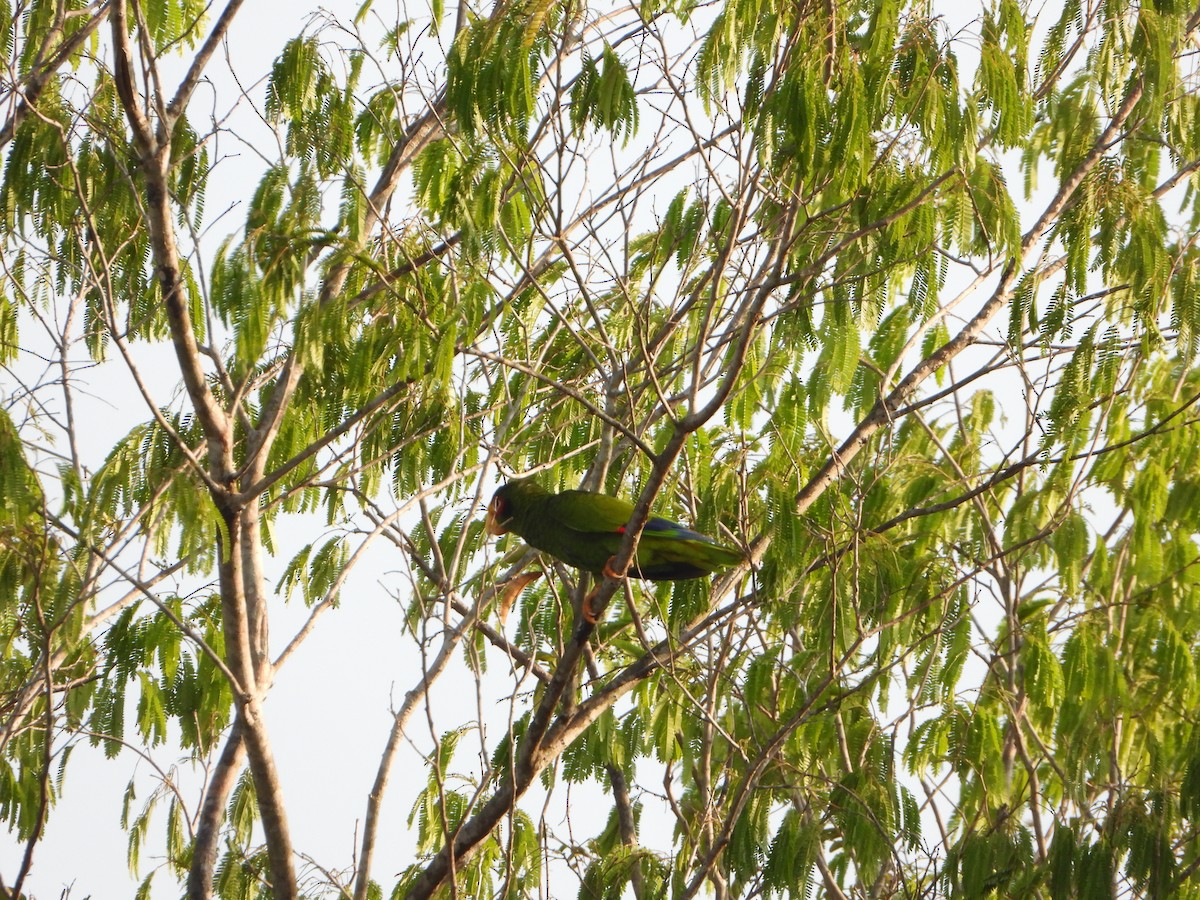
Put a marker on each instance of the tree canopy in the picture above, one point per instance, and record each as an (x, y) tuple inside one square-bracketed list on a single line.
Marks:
[(903, 305)]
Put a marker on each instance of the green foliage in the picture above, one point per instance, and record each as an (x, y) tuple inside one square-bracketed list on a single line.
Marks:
[(603, 94), (320, 114), (492, 71), (315, 573), (783, 277)]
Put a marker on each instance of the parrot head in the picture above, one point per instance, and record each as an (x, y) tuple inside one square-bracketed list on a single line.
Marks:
[(499, 513), (512, 504)]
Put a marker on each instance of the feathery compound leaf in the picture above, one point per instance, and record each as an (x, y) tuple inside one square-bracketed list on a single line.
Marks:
[(614, 101)]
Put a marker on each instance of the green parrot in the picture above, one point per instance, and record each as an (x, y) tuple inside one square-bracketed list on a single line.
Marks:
[(584, 530)]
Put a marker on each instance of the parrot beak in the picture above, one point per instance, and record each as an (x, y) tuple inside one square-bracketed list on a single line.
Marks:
[(492, 524)]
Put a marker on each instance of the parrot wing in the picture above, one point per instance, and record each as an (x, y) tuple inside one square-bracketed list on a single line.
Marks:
[(590, 513), (667, 549), (599, 513)]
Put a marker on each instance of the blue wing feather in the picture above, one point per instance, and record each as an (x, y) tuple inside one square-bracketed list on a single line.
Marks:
[(675, 530)]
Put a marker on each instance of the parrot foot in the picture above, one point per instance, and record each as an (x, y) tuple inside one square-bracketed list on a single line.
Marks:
[(591, 616)]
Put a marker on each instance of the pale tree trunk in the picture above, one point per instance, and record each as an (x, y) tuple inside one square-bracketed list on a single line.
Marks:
[(243, 610)]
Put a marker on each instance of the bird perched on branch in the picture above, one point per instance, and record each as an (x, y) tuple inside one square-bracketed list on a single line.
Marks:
[(584, 530)]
